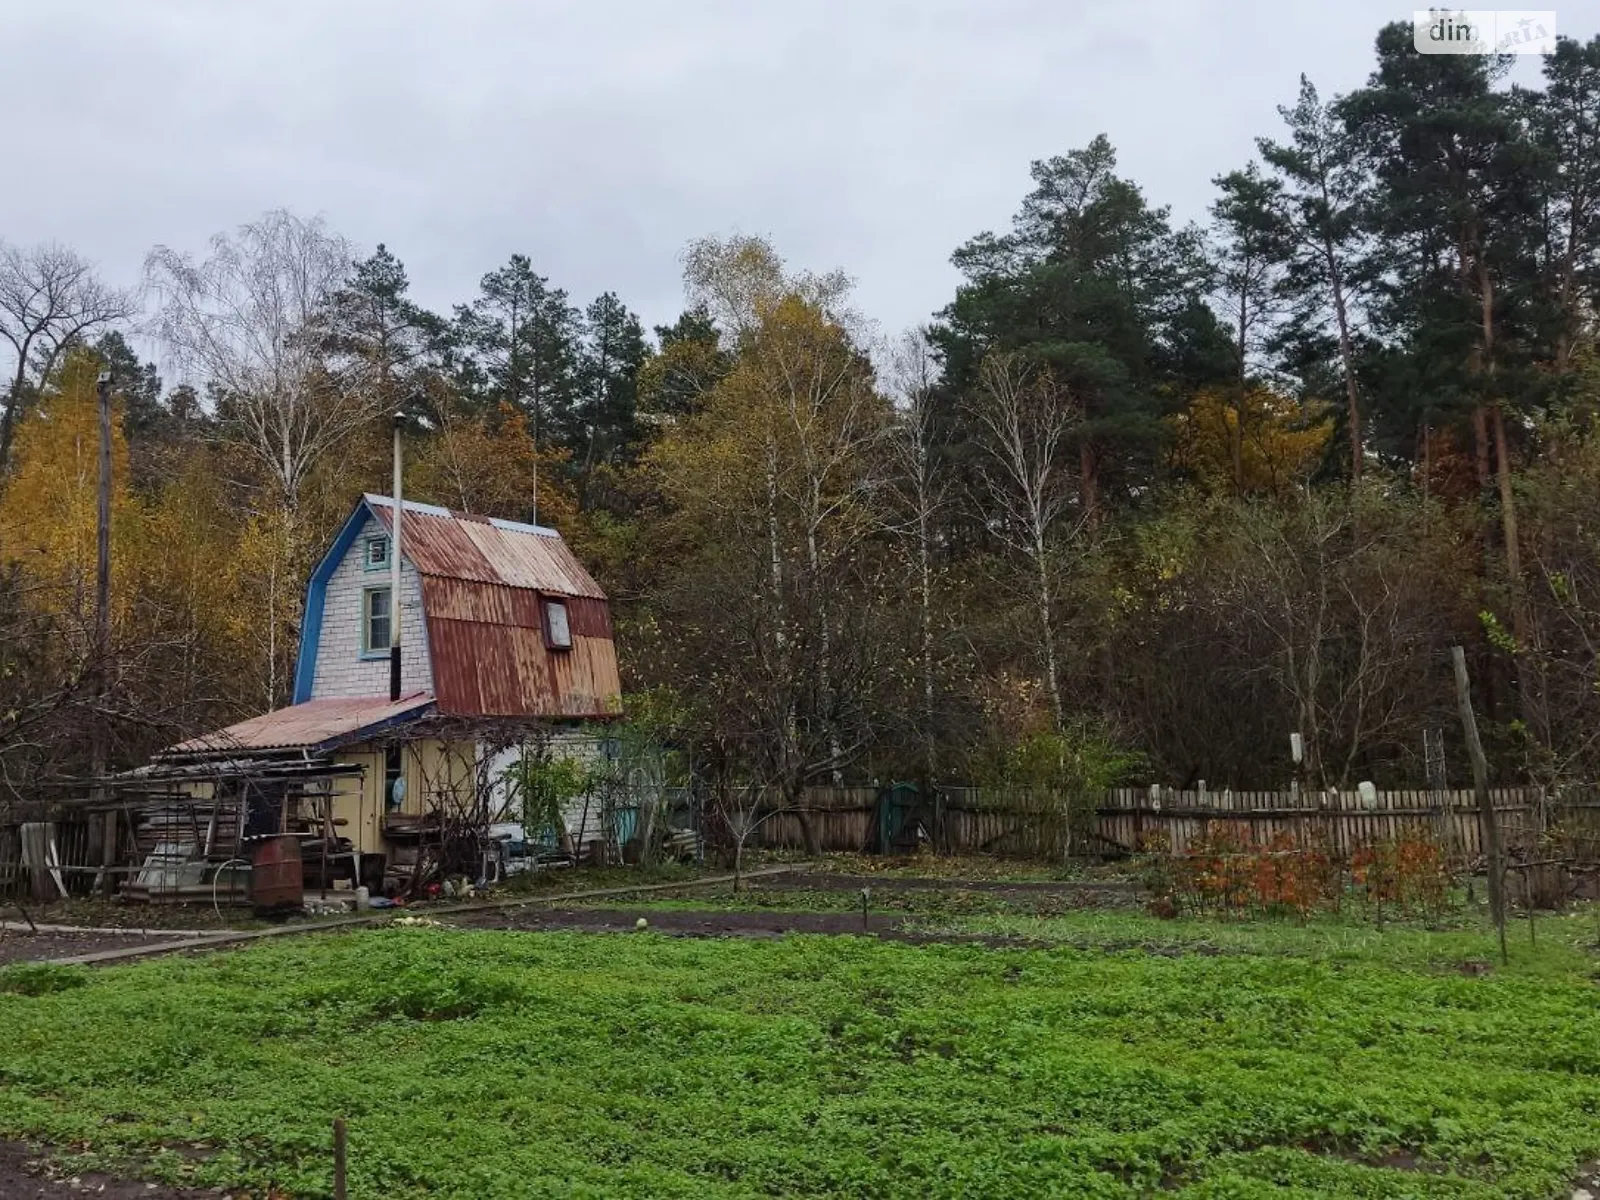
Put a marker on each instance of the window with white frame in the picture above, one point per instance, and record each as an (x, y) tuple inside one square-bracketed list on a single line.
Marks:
[(377, 620), (376, 554), (557, 633)]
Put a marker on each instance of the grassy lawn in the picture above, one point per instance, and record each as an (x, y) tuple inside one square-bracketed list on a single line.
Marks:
[(1318, 1061)]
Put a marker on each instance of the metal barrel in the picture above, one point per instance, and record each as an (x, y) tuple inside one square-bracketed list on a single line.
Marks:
[(277, 877)]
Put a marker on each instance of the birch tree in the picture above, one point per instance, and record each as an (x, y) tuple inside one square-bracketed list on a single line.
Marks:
[(246, 324), (921, 495), (243, 323), (50, 298), (1025, 421)]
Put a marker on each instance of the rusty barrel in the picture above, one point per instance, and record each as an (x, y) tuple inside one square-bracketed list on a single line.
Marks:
[(277, 877)]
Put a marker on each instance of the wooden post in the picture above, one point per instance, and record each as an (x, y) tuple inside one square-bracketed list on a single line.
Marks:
[(1480, 785), (340, 1189)]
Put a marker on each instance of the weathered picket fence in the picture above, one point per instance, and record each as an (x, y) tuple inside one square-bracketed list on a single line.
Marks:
[(971, 820)]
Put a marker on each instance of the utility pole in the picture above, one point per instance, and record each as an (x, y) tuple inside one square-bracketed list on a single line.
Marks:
[(98, 748), (1480, 785), (394, 566)]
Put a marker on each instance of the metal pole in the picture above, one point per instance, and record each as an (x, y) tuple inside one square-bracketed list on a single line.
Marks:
[(394, 566), (98, 748)]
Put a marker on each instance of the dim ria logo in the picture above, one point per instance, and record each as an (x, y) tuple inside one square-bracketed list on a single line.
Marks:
[(1484, 31)]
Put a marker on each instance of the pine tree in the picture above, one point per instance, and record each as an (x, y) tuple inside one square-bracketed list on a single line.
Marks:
[(1251, 246), (381, 335), (517, 344), (1095, 284), (611, 353), (1323, 185)]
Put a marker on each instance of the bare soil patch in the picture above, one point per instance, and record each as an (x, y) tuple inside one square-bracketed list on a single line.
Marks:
[(28, 1173), (32, 947), (1088, 892)]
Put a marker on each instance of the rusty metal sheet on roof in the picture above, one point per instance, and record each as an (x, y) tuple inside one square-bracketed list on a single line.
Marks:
[(586, 677), (489, 670), (461, 546), (440, 546), (505, 670), (491, 603), (588, 617), (530, 560), (481, 585), (314, 723)]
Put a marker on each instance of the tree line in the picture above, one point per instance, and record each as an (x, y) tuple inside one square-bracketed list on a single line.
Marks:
[(1140, 501)]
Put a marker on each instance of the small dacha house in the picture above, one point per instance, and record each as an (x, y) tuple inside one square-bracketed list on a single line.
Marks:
[(505, 639)]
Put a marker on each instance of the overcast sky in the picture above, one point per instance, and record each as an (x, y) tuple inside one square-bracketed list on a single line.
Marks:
[(597, 136)]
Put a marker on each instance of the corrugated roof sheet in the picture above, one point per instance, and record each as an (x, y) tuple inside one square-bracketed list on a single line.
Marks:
[(487, 550), (314, 724), (482, 579)]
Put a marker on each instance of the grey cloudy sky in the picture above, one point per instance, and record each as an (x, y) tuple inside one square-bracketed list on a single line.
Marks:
[(598, 136)]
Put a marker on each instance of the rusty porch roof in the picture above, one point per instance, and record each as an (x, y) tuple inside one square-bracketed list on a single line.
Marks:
[(316, 725)]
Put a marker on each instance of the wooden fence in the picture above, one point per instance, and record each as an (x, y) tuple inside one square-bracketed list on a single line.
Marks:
[(967, 820)]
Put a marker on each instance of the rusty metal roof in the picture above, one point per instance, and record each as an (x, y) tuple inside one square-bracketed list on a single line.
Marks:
[(314, 725), (482, 581), (454, 545)]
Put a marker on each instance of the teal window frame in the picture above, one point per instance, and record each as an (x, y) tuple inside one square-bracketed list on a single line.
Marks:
[(366, 552), (368, 650)]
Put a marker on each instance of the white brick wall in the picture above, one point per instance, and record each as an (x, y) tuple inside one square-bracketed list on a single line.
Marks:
[(341, 671), (582, 744)]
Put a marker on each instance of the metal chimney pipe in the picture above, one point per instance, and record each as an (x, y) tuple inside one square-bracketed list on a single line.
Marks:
[(394, 566)]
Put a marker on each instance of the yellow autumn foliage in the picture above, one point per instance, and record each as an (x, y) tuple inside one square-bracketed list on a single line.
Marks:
[(48, 509), (1277, 444)]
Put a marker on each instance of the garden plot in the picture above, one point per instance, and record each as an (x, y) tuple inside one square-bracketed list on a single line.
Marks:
[(1313, 1061)]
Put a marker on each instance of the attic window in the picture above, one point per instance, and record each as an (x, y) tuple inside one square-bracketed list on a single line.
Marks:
[(557, 633), (377, 553)]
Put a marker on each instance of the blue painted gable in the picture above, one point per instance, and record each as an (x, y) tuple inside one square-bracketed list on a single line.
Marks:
[(305, 672)]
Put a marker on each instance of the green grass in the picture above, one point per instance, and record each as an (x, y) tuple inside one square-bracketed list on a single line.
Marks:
[(1563, 948), (485, 1064)]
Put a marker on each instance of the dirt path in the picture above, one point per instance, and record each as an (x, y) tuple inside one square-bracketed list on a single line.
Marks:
[(26, 1174), (1089, 891), (61, 943), (113, 947)]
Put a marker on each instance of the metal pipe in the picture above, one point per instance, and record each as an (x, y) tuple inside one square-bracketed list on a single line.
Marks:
[(394, 567), (99, 750)]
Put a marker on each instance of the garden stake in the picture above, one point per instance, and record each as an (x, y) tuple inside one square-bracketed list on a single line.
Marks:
[(866, 894), (339, 1189), (1488, 820), (1527, 898)]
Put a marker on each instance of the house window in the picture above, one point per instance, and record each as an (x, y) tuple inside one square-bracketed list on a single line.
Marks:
[(376, 556), (377, 616), (557, 633)]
